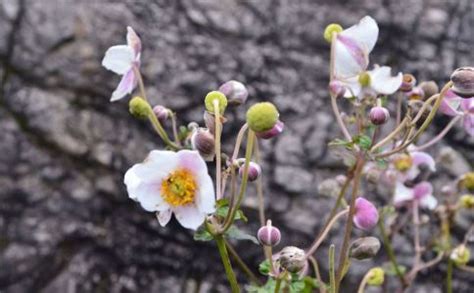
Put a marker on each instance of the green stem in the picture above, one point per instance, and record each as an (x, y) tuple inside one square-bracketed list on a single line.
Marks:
[(332, 275), (161, 132), (226, 262), (217, 145), (449, 277), (242, 264), (278, 285)]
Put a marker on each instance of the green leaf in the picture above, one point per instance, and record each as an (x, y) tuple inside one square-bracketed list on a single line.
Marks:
[(341, 142), (297, 286), (223, 202), (223, 210), (264, 267), (269, 287), (236, 233), (389, 269), (202, 235), (363, 141)]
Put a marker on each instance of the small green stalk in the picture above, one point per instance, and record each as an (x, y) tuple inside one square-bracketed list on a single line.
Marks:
[(332, 273), (226, 262)]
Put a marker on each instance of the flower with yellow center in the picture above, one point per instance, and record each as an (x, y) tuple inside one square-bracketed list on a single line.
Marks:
[(173, 182), (403, 163)]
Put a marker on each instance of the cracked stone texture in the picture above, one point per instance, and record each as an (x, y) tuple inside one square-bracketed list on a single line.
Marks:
[(66, 223)]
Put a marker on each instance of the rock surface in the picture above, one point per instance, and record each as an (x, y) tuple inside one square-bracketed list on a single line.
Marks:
[(66, 223)]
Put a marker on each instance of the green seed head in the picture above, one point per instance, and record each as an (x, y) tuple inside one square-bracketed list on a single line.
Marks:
[(139, 108), (467, 201), (461, 255), (376, 276), (330, 30), (262, 116), (364, 79), (468, 181), (215, 96)]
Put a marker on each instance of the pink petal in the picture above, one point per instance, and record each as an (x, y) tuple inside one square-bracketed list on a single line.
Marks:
[(450, 104), (468, 123), (125, 87), (366, 216), (133, 40), (192, 161), (422, 189), (422, 158), (467, 105)]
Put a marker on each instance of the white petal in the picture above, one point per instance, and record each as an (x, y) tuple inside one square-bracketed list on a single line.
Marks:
[(429, 202), (118, 59), (206, 198), (192, 161), (149, 197), (134, 42), (161, 162), (164, 217), (365, 33), (349, 60), (422, 158), (353, 87), (402, 194), (383, 82), (189, 216), (132, 181), (126, 86)]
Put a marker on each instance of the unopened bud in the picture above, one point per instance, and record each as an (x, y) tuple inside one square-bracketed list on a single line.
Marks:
[(262, 116), (364, 248), (468, 181), (467, 201), (235, 92), (408, 82), (203, 141), (379, 115), (366, 215), (463, 82), (330, 30), (253, 173), (460, 255), (274, 131), (416, 93), (376, 276), (269, 235), (430, 88), (292, 259), (337, 89), (210, 121), (161, 113), (217, 98), (139, 108)]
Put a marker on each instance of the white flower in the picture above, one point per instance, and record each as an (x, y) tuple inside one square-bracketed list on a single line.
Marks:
[(378, 80), (122, 59), (173, 182), (421, 192)]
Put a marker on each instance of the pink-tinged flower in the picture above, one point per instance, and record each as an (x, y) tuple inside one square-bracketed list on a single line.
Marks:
[(122, 59), (421, 192), (366, 215), (173, 182), (407, 166), (378, 80), (454, 105)]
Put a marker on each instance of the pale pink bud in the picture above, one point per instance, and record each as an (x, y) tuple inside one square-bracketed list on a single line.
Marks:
[(379, 115), (161, 113), (463, 82), (253, 173), (274, 131), (203, 141), (366, 214), (269, 235), (336, 89), (235, 92)]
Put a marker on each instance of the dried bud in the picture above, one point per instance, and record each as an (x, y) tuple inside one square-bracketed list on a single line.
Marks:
[(139, 108), (269, 235), (376, 276), (468, 181), (379, 115), (161, 113), (337, 89), (254, 171), (467, 201), (430, 88), (364, 248), (416, 94), (235, 92), (203, 141), (210, 121), (275, 131), (366, 214), (460, 255), (262, 116), (408, 82), (463, 82), (292, 259), (215, 97), (330, 30)]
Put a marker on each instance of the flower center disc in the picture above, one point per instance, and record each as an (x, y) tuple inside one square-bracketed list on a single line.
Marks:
[(179, 188), (403, 163)]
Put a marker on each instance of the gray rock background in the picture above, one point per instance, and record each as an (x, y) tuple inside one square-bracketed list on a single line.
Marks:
[(66, 223)]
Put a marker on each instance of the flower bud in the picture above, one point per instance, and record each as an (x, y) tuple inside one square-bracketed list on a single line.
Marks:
[(330, 30), (460, 255), (467, 201), (269, 235), (262, 116), (463, 82), (337, 89), (139, 108), (416, 93), (429, 88), (210, 121), (203, 141), (364, 248), (235, 92), (379, 115), (215, 96), (366, 215), (292, 259), (254, 171), (161, 113), (275, 131), (375, 276), (468, 181), (408, 82)]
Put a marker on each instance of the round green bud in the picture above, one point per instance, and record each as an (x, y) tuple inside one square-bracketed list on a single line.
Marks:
[(468, 181), (375, 276), (215, 96), (460, 255), (139, 108), (262, 116), (330, 30), (467, 201), (364, 79)]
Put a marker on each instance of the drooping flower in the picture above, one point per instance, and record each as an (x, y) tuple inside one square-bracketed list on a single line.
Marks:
[(376, 81), (454, 105), (408, 166), (122, 59), (366, 215), (421, 192), (173, 182)]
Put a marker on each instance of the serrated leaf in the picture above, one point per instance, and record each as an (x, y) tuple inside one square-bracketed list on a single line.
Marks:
[(223, 210), (222, 202), (202, 235), (264, 267), (269, 287), (341, 142), (363, 141)]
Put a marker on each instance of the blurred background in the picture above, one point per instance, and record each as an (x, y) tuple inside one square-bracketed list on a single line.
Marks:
[(66, 223)]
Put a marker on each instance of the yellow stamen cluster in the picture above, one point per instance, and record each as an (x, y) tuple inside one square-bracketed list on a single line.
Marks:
[(179, 188), (403, 163)]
